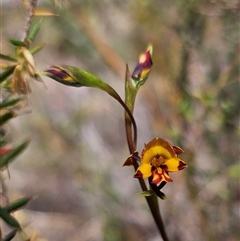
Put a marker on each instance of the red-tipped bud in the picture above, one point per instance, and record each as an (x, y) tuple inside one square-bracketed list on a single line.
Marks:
[(143, 68)]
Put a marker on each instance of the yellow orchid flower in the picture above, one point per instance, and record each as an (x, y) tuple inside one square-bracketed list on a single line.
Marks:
[(157, 159)]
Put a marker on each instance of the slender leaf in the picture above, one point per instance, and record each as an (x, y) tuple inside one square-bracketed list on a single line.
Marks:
[(10, 235), (10, 220), (44, 13), (7, 73), (20, 203), (37, 49), (17, 43), (34, 31), (6, 117), (9, 102), (8, 58), (9, 157)]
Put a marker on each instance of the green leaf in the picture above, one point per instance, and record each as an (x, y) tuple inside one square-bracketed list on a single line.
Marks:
[(9, 157), (10, 220), (6, 117), (9, 102), (34, 31), (37, 49), (17, 43), (8, 58), (20, 203), (10, 235), (7, 73)]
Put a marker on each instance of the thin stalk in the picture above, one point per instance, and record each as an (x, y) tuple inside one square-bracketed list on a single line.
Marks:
[(130, 96), (128, 112), (33, 4)]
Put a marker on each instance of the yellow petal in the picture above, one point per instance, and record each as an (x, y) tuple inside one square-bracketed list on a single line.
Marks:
[(157, 146), (28, 56), (143, 171), (173, 165)]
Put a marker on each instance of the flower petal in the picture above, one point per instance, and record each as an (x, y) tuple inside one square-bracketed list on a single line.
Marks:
[(178, 150), (173, 165), (143, 67), (60, 74), (157, 146), (132, 159), (143, 171)]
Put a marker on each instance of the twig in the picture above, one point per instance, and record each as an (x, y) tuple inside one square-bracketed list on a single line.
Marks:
[(33, 4)]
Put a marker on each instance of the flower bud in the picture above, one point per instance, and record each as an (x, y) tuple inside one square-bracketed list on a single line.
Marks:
[(143, 68)]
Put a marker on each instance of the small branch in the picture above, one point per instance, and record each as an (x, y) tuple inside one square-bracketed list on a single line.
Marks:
[(31, 10)]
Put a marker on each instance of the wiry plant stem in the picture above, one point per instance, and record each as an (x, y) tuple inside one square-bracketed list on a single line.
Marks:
[(32, 6), (130, 96)]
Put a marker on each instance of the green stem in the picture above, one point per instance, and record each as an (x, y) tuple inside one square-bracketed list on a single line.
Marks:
[(128, 112), (130, 96)]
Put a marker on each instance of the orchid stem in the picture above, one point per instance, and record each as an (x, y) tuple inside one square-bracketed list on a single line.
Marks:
[(130, 96)]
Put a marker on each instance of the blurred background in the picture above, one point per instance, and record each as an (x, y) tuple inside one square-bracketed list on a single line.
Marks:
[(73, 166)]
